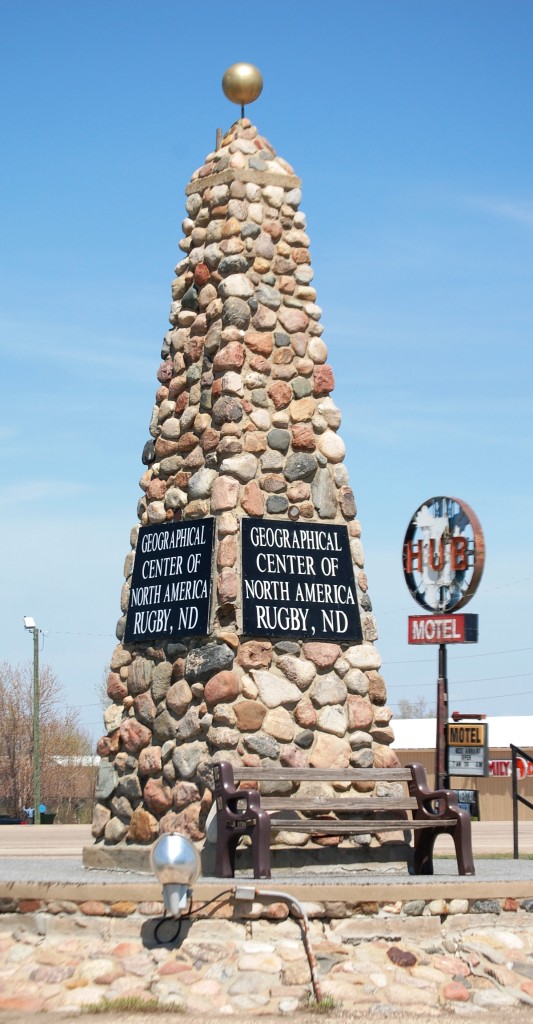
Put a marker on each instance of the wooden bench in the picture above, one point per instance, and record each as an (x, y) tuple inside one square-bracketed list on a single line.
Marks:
[(245, 812)]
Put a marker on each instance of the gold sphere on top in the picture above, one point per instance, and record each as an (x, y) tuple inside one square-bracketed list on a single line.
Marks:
[(242, 83)]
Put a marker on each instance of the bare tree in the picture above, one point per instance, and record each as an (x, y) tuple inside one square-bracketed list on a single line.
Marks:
[(418, 708), (101, 690), (61, 736)]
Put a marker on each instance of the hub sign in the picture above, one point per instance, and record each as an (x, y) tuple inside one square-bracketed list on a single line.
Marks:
[(443, 554)]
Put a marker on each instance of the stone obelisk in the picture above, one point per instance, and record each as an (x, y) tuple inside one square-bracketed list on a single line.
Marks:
[(244, 432)]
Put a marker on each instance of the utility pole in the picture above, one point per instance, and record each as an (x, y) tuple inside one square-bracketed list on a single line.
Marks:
[(36, 732), (30, 625)]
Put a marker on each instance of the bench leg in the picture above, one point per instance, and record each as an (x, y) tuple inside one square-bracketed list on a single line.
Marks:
[(225, 854), (423, 852), (261, 846), (462, 838)]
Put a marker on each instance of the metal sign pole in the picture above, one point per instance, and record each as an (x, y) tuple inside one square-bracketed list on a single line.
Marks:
[(442, 780)]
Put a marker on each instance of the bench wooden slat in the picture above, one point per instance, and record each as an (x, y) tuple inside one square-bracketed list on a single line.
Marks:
[(338, 828), (349, 805), (322, 774)]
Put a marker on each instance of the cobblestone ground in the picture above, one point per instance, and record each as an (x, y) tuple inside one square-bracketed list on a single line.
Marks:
[(384, 966)]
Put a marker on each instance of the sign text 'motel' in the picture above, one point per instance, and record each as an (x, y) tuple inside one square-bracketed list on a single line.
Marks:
[(442, 629), (467, 745), (298, 581), (171, 582)]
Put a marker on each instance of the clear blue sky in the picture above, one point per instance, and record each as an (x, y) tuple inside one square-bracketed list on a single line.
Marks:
[(409, 122)]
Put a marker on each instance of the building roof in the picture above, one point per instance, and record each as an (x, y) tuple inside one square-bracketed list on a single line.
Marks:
[(419, 733)]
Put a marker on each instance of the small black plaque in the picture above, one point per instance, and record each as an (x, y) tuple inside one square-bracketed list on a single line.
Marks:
[(171, 582), (468, 800), (297, 581)]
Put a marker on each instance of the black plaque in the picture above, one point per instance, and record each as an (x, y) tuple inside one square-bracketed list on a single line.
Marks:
[(468, 800), (171, 582), (297, 581)]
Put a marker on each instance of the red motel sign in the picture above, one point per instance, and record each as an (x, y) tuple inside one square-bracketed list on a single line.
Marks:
[(442, 629)]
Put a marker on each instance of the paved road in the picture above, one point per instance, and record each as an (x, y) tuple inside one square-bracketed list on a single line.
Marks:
[(489, 838), (44, 840)]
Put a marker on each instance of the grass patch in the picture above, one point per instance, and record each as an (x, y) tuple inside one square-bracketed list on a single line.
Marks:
[(133, 1004), (326, 1005)]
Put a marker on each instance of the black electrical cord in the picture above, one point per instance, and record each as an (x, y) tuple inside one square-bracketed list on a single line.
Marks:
[(170, 938), (177, 920)]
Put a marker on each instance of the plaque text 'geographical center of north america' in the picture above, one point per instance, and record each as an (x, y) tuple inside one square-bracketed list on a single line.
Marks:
[(171, 582), (298, 581)]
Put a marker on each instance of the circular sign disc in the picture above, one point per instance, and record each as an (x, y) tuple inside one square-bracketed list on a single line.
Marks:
[(443, 554)]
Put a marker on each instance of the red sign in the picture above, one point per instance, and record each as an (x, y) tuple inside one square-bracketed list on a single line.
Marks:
[(416, 555), (503, 769), (442, 629)]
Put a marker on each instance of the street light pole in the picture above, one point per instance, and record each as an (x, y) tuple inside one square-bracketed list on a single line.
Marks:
[(30, 625), (36, 731)]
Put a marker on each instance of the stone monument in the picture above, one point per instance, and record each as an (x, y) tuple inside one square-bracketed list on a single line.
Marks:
[(247, 632)]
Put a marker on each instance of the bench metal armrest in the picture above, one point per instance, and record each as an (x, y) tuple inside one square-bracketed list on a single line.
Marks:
[(227, 796), (444, 799), (249, 796)]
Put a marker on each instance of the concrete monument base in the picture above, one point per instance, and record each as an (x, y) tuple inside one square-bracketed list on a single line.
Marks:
[(390, 858)]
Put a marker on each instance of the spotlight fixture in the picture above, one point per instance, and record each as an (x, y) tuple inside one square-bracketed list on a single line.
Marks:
[(176, 864)]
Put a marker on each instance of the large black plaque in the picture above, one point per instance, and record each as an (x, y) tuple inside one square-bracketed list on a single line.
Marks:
[(171, 582), (297, 581)]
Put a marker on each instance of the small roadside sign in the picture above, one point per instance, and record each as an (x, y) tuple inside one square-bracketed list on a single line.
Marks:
[(467, 748)]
